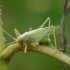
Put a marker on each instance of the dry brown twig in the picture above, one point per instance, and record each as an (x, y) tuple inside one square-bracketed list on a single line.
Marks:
[(63, 37)]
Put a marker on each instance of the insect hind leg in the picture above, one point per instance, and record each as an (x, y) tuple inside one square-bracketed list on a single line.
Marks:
[(54, 36), (48, 19)]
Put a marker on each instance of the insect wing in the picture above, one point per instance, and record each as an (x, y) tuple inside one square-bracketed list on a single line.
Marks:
[(37, 34), (31, 35), (50, 32), (34, 35), (45, 32)]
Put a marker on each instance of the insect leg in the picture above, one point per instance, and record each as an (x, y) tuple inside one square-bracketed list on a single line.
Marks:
[(34, 44), (17, 33), (25, 47), (30, 29), (48, 19), (54, 36), (49, 24), (52, 28)]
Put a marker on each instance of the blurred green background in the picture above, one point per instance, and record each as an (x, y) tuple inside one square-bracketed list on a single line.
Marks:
[(23, 14)]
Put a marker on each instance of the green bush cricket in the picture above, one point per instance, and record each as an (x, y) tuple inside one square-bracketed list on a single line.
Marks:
[(37, 36)]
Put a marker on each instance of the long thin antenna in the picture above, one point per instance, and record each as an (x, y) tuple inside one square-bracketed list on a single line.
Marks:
[(10, 36)]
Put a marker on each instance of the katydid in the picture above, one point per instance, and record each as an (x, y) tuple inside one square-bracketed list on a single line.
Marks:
[(37, 36)]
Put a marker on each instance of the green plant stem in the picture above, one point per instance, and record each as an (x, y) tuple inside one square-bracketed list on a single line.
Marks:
[(53, 53), (6, 55), (10, 51), (1, 39), (4, 65), (13, 48)]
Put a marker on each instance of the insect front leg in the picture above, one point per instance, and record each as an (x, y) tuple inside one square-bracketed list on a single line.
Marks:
[(17, 33), (31, 44), (25, 47), (48, 19), (23, 44)]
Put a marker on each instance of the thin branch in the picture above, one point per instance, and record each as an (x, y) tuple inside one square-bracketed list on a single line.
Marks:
[(63, 37), (13, 48)]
